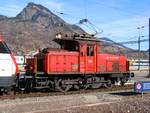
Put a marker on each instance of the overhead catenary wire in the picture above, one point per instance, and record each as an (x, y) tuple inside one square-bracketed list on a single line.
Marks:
[(134, 37), (68, 15), (91, 20), (126, 42), (114, 8), (90, 25), (133, 42), (82, 21)]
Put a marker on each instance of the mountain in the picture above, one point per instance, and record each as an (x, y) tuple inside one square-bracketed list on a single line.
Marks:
[(35, 28), (2, 17), (41, 15), (109, 41), (109, 46)]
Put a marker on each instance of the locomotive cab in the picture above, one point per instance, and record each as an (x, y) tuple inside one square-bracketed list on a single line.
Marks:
[(87, 47), (68, 44)]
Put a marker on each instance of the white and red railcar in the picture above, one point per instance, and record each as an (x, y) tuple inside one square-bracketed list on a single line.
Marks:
[(8, 67)]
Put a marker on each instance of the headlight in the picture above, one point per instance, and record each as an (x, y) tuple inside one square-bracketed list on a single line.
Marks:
[(59, 36)]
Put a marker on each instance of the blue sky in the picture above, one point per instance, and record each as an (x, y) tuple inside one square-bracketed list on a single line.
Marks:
[(117, 18)]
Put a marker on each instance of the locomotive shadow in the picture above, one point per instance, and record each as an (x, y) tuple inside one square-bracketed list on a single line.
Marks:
[(125, 93)]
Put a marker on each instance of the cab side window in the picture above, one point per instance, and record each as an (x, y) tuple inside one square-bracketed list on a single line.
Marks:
[(90, 50), (81, 50)]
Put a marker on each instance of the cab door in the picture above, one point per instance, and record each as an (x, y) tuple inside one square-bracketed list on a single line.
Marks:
[(90, 58), (82, 58)]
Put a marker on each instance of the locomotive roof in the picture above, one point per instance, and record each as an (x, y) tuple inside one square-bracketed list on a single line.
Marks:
[(76, 37)]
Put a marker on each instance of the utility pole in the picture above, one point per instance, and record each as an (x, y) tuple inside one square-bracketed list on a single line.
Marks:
[(139, 45), (149, 49)]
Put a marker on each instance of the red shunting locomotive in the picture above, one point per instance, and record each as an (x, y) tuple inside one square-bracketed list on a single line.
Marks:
[(77, 64)]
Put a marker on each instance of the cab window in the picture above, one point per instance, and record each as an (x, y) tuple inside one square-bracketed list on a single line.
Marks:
[(4, 48), (90, 50)]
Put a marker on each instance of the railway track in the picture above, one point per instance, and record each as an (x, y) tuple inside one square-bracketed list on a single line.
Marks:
[(52, 93)]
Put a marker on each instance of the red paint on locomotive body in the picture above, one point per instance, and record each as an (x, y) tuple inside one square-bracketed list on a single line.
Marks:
[(86, 60), (61, 62), (111, 63)]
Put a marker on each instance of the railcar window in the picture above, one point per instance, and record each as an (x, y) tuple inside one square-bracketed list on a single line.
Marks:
[(81, 50), (90, 51), (81, 53), (4, 48)]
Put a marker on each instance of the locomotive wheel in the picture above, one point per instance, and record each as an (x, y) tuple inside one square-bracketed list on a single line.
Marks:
[(87, 86), (123, 81), (96, 85), (87, 83), (11, 93), (8, 91), (108, 84), (51, 85), (29, 86), (76, 87), (61, 86)]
